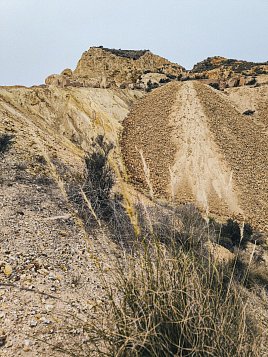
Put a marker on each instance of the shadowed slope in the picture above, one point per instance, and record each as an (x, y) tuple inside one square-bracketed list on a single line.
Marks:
[(147, 133)]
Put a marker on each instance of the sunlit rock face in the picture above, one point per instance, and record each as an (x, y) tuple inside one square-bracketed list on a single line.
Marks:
[(104, 68)]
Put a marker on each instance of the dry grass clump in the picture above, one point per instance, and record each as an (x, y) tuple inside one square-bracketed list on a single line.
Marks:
[(165, 301), (95, 201)]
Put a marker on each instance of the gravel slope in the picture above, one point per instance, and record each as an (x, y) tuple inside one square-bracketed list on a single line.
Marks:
[(198, 147), (47, 259)]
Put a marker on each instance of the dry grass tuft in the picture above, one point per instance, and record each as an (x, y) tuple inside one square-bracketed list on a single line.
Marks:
[(167, 301)]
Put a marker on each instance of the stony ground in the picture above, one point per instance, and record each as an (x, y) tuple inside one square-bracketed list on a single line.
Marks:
[(49, 263), (47, 268)]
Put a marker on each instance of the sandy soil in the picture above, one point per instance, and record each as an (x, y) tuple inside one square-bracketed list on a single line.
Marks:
[(48, 261), (252, 98), (199, 168)]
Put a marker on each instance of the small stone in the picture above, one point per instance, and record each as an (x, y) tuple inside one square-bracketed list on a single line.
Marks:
[(49, 307), (38, 263), (9, 344), (27, 345), (52, 277), (33, 323), (43, 271), (7, 270), (45, 320), (3, 337)]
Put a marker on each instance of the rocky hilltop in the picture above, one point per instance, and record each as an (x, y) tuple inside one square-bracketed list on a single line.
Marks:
[(104, 68), (101, 67), (227, 73)]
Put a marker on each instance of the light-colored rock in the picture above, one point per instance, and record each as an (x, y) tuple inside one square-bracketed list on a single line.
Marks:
[(105, 68)]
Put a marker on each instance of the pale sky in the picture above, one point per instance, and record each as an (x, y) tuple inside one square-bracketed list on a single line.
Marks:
[(42, 37)]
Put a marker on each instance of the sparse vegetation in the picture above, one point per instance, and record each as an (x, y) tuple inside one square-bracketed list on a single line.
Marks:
[(249, 112), (171, 76), (171, 303), (260, 71), (166, 296), (215, 85), (237, 66), (231, 231), (251, 82), (5, 142), (133, 54), (95, 200), (151, 86), (99, 179), (164, 80)]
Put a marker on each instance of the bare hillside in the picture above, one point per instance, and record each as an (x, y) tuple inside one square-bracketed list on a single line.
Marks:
[(199, 148), (46, 255)]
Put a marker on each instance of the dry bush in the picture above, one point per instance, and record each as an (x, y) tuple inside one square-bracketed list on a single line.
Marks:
[(163, 301), (95, 200), (182, 224), (167, 298), (6, 141), (251, 274)]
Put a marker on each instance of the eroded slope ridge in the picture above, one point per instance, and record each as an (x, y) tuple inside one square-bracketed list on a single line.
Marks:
[(209, 153)]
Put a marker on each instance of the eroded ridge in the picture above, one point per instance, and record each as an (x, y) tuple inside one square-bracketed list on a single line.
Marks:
[(245, 148), (199, 172), (188, 142)]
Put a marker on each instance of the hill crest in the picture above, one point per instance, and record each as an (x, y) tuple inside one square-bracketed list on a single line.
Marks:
[(102, 67)]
